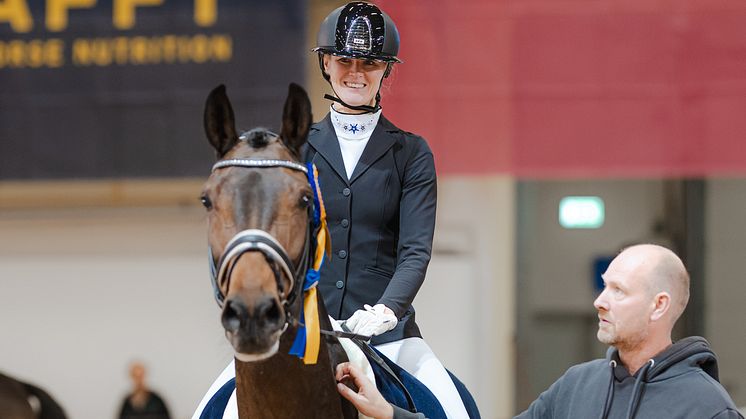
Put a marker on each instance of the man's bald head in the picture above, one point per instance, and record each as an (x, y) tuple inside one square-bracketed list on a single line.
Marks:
[(664, 272)]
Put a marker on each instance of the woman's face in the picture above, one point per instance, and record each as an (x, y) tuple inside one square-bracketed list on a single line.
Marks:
[(355, 81)]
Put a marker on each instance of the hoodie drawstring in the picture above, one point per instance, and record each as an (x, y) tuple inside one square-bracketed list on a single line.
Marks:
[(610, 391), (637, 392)]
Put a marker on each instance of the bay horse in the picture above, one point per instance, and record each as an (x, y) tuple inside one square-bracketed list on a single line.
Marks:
[(260, 205), (19, 400)]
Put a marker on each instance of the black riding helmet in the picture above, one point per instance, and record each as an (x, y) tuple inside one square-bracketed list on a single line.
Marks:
[(358, 30)]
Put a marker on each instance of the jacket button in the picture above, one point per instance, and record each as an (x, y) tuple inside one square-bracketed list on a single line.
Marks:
[(342, 254), (340, 285), (345, 223), (346, 191)]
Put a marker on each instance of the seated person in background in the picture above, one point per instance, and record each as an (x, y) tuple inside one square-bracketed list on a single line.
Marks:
[(142, 402), (645, 375)]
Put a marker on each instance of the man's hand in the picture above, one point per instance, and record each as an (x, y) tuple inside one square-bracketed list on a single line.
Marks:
[(372, 321), (368, 400)]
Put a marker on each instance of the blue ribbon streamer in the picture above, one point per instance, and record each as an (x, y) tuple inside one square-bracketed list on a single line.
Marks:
[(299, 344)]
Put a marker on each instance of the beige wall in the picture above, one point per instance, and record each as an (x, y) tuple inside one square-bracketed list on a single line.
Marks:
[(85, 291), (467, 307), (725, 311)]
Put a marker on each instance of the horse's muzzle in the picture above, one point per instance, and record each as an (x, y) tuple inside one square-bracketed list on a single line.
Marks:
[(253, 329)]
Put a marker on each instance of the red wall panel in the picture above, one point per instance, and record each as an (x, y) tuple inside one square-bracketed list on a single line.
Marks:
[(574, 88)]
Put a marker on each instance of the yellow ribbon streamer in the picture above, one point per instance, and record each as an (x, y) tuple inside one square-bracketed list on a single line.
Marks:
[(311, 312), (310, 300)]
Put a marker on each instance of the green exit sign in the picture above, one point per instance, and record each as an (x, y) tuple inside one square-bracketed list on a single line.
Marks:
[(581, 212)]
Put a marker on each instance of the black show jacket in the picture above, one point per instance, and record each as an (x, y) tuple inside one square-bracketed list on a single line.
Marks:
[(381, 222)]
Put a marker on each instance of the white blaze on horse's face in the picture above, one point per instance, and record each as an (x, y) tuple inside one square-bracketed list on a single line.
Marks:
[(272, 201)]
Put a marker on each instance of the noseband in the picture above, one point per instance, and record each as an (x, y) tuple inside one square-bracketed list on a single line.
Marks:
[(253, 240)]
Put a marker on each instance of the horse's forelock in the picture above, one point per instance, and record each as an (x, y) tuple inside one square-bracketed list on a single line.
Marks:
[(258, 137)]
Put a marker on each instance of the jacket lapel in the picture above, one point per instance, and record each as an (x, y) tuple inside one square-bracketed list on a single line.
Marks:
[(380, 141), (325, 142)]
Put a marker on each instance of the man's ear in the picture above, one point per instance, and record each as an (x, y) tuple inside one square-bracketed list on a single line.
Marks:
[(661, 305)]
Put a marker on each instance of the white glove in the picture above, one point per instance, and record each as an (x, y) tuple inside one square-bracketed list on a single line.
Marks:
[(372, 321)]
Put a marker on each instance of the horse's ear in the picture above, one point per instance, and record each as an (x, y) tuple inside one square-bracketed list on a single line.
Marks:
[(220, 124), (296, 118)]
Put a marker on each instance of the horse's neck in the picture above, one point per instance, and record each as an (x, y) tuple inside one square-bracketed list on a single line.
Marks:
[(283, 387)]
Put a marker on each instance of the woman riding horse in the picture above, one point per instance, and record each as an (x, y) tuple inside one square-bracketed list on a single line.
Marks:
[(379, 187)]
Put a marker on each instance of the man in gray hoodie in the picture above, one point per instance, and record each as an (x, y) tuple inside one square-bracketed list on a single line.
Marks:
[(645, 375)]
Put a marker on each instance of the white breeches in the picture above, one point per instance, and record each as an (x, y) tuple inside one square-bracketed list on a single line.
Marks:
[(416, 358)]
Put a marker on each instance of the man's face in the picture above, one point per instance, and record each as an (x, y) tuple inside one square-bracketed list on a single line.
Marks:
[(625, 305), (137, 373)]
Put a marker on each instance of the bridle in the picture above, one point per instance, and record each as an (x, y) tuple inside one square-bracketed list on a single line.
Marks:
[(254, 240)]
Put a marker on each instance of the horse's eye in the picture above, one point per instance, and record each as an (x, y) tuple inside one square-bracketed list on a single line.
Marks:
[(205, 201), (305, 201)]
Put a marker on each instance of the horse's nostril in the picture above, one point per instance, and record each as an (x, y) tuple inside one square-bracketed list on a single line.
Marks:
[(233, 312), (274, 312), (269, 311), (266, 313)]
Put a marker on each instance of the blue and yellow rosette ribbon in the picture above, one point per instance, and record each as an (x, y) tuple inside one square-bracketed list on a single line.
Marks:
[(307, 340)]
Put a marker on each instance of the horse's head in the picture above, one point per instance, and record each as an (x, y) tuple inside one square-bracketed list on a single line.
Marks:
[(257, 200)]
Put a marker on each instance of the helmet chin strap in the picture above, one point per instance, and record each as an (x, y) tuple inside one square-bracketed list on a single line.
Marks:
[(364, 108)]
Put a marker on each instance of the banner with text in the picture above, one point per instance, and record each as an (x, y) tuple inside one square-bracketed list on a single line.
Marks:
[(116, 89)]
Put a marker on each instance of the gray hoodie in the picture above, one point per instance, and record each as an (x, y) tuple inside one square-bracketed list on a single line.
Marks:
[(681, 383)]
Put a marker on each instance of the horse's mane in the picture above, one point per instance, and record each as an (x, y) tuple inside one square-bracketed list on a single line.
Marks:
[(258, 137)]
